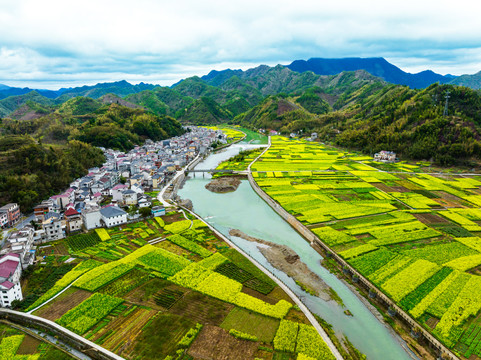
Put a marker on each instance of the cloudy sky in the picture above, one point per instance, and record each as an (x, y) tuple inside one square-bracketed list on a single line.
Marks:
[(61, 43)]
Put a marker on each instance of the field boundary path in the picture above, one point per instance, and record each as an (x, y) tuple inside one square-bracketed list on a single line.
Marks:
[(53, 297), (283, 286), (76, 341)]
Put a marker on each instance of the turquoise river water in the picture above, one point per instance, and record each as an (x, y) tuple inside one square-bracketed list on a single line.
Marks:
[(246, 211)]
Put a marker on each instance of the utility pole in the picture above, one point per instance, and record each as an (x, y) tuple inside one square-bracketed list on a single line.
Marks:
[(445, 113)]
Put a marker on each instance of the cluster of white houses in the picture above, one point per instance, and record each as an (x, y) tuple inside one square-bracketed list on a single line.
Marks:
[(385, 156), (96, 200)]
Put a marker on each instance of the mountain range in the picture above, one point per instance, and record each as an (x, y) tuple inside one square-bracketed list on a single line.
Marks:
[(356, 109), (379, 67), (41, 135)]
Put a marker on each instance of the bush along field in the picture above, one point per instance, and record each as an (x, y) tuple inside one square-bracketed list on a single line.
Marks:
[(167, 288), (415, 236)]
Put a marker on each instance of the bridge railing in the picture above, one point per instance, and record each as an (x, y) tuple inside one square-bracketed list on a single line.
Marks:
[(76, 341)]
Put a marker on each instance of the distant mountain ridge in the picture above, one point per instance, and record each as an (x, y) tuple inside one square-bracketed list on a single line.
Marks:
[(472, 81), (119, 88), (354, 108), (7, 91), (376, 66)]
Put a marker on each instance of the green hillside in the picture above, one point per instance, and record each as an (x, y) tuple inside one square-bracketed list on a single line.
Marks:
[(205, 111), (31, 171), (79, 106), (11, 103), (411, 123)]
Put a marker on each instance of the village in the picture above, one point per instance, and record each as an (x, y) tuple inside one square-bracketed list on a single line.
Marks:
[(122, 190)]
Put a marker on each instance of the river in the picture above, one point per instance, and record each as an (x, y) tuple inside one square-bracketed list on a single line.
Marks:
[(246, 211)]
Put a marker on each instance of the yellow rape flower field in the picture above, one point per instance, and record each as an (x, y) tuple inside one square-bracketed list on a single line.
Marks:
[(415, 236)]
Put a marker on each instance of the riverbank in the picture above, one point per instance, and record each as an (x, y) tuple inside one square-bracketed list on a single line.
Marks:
[(287, 260), (325, 337)]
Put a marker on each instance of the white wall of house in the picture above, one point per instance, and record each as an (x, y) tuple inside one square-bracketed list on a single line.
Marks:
[(54, 230), (117, 195), (144, 203), (130, 199), (115, 220), (75, 224), (91, 219), (9, 295)]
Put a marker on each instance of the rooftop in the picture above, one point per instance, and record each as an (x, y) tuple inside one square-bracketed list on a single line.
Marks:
[(7, 284), (112, 211), (71, 212), (7, 268)]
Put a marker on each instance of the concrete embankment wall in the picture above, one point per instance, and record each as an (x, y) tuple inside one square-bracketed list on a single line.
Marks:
[(180, 179), (76, 341), (348, 269)]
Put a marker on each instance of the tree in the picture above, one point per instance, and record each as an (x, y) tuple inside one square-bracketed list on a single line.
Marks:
[(122, 180), (33, 223), (145, 211), (132, 210)]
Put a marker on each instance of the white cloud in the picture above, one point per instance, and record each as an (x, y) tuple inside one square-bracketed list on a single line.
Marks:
[(146, 39)]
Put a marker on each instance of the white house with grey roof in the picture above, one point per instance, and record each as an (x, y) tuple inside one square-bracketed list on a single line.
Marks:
[(113, 216)]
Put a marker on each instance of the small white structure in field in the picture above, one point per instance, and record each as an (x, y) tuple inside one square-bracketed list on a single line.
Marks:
[(385, 156)]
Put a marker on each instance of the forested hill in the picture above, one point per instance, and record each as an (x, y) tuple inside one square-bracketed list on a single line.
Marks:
[(101, 124), (412, 123), (31, 172)]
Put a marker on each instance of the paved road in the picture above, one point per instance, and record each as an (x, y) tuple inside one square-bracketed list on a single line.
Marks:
[(160, 196)]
